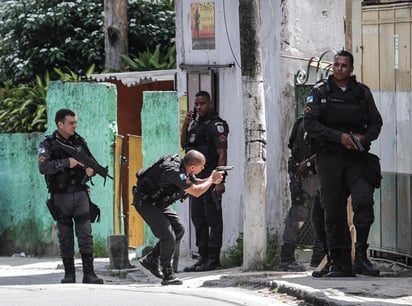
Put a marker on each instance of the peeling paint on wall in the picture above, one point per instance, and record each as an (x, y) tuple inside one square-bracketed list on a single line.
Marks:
[(25, 223), (160, 133)]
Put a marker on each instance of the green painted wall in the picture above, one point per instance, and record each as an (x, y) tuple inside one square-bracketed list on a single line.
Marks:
[(160, 132), (25, 224)]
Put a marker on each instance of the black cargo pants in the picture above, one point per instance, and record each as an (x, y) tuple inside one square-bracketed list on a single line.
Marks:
[(166, 226), (73, 207)]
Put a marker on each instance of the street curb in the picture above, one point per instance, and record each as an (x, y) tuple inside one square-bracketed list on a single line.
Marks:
[(310, 295)]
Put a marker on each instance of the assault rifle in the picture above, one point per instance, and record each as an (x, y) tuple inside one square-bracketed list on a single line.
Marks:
[(83, 158), (356, 141)]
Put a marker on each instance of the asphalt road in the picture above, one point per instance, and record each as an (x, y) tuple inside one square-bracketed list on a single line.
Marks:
[(36, 281)]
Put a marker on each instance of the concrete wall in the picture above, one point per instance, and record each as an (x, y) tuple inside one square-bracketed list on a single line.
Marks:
[(25, 223), (292, 32)]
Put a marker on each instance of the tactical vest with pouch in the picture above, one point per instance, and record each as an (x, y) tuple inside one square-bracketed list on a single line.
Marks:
[(151, 189)]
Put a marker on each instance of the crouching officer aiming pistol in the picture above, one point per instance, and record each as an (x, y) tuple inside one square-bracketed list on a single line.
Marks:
[(169, 179)]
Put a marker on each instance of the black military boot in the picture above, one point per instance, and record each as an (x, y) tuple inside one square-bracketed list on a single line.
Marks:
[(151, 263), (340, 264), (89, 277), (362, 265), (287, 259), (169, 278), (69, 271), (324, 270), (212, 263), (200, 261)]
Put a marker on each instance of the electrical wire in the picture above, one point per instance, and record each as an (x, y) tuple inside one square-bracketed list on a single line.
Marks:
[(228, 38)]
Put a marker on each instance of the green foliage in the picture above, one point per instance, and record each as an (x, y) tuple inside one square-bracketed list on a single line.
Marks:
[(272, 252), (37, 36), (99, 247), (23, 108), (233, 257), (151, 24), (147, 61), (71, 76), (40, 35)]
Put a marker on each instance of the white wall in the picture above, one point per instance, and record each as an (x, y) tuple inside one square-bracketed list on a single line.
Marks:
[(296, 28), (309, 28)]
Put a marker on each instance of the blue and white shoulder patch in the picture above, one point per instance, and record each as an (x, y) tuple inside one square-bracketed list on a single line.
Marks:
[(183, 176), (220, 127), (42, 150), (309, 99)]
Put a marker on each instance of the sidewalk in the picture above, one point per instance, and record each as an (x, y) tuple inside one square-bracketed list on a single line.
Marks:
[(393, 287)]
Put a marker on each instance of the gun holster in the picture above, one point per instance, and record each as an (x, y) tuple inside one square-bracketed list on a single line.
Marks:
[(52, 209), (94, 213), (216, 198)]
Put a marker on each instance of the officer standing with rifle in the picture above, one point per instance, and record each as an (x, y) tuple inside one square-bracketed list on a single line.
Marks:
[(203, 130), (339, 109), (69, 201)]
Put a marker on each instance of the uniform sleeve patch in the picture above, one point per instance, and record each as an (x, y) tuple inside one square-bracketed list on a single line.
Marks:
[(309, 99), (42, 150), (220, 128)]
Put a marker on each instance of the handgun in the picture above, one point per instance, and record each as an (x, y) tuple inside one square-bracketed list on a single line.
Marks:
[(224, 168), (217, 197), (357, 143)]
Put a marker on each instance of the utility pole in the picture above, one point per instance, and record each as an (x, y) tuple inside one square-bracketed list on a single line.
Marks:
[(115, 34), (255, 229)]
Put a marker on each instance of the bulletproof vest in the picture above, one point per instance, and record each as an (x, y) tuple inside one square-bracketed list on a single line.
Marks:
[(70, 179), (199, 139), (152, 189), (347, 112)]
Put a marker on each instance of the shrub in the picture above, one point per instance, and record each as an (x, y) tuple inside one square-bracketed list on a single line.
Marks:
[(39, 35)]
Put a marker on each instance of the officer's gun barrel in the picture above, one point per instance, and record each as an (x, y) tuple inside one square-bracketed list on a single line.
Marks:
[(224, 168), (357, 143)]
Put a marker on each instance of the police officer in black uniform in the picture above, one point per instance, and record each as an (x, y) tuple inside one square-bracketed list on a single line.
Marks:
[(338, 109), (207, 133), (303, 185), (167, 180), (65, 177)]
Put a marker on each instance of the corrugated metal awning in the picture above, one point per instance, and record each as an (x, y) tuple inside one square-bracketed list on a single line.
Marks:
[(136, 77)]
